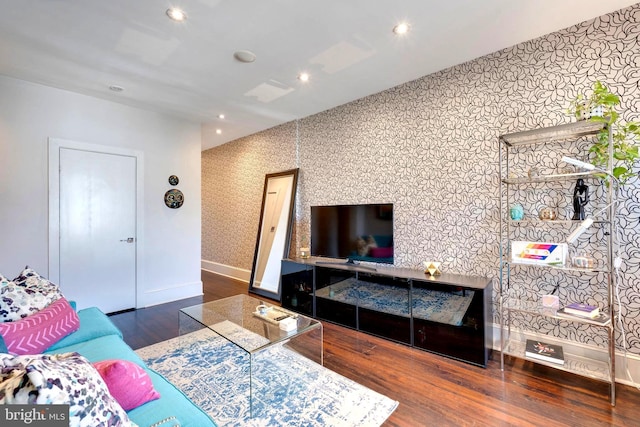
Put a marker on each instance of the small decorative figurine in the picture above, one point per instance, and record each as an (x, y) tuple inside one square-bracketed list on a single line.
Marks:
[(516, 212), (547, 214), (580, 199), (432, 268)]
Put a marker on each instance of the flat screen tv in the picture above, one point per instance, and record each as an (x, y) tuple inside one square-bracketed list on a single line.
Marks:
[(354, 232)]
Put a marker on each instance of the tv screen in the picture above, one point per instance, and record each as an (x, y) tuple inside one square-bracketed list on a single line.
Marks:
[(355, 232)]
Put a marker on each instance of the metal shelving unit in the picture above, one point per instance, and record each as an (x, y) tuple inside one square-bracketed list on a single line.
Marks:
[(597, 362)]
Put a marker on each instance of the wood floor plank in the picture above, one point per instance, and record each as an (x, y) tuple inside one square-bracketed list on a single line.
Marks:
[(432, 390)]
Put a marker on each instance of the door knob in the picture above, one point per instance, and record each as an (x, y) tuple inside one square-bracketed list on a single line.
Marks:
[(128, 240)]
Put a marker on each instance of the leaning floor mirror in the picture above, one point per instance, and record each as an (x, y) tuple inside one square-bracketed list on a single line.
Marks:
[(274, 232)]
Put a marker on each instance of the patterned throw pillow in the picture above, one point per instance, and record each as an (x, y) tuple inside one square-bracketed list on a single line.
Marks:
[(30, 279), (36, 333), (25, 295), (15, 387), (128, 383), (64, 379), (18, 302)]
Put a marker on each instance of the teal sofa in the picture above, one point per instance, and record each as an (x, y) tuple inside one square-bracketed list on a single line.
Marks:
[(99, 339)]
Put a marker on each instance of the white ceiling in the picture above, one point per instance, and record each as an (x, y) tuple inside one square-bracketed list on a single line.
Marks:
[(188, 70)]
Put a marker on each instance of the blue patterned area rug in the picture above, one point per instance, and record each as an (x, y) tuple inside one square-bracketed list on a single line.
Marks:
[(288, 389)]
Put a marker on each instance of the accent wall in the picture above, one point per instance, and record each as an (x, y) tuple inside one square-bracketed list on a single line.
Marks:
[(430, 147)]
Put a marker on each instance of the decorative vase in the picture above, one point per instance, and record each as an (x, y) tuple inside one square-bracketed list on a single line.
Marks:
[(516, 212)]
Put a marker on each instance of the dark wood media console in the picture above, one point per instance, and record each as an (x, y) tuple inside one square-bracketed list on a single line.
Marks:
[(447, 314)]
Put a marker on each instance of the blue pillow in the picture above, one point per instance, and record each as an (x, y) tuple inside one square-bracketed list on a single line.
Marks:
[(3, 346), (384, 241)]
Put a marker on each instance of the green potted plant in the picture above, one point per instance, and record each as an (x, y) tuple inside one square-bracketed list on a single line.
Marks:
[(601, 106)]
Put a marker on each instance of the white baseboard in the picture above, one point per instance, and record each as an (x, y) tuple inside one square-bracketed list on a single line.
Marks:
[(169, 294), (622, 376), (226, 270)]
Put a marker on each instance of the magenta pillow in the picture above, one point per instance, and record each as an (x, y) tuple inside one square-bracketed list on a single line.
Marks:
[(36, 333), (128, 383), (381, 252)]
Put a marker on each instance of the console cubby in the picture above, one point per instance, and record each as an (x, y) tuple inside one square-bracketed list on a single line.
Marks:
[(448, 314), (460, 337), (297, 288)]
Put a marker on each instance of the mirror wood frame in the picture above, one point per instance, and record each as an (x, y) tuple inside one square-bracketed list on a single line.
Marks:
[(280, 247)]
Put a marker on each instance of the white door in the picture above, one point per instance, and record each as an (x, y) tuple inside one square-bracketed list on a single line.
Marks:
[(98, 229)]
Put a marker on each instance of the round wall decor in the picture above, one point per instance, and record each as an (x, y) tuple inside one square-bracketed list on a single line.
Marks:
[(173, 198), (174, 180)]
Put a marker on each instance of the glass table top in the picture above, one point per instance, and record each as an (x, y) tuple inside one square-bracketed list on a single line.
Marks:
[(232, 317)]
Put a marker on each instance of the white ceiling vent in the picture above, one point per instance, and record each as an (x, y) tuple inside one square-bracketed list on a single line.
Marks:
[(269, 91)]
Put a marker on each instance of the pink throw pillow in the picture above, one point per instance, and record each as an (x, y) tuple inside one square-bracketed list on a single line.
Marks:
[(381, 252), (128, 383), (36, 333)]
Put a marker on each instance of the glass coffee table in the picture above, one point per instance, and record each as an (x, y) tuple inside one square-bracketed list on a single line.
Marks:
[(256, 331)]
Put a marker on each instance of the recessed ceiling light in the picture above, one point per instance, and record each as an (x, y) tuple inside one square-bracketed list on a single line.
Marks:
[(219, 131), (245, 56), (401, 28), (303, 77), (176, 14), (221, 116), (116, 88)]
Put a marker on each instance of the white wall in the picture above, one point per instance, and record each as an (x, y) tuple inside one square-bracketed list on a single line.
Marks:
[(31, 113)]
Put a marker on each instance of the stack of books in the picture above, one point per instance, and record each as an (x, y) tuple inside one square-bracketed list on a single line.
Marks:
[(584, 310), (543, 351)]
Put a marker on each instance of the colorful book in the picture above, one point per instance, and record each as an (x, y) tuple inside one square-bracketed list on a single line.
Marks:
[(543, 351), (584, 310)]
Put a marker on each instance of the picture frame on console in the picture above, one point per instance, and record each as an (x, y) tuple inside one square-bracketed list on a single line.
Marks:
[(274, 232)]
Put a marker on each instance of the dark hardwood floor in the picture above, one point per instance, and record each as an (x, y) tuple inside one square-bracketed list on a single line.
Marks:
[(432, 390)]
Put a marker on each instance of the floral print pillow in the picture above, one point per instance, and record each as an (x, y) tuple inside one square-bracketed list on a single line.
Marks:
[(25, 295), (66, 378)]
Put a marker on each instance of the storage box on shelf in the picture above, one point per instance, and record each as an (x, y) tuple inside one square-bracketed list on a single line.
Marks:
[(522, 315), (447, 314)]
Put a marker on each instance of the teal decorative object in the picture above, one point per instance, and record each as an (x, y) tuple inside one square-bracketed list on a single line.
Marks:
[(516, 212)]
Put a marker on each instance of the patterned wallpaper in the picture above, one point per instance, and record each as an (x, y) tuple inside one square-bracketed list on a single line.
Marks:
[(232, 186), (430, 146)]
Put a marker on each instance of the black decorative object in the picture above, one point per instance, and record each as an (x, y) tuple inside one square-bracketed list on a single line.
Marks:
[(173, 198), (580, 199), (174, 180)]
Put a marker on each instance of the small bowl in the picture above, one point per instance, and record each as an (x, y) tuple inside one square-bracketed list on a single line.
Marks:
[(262, 309)]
